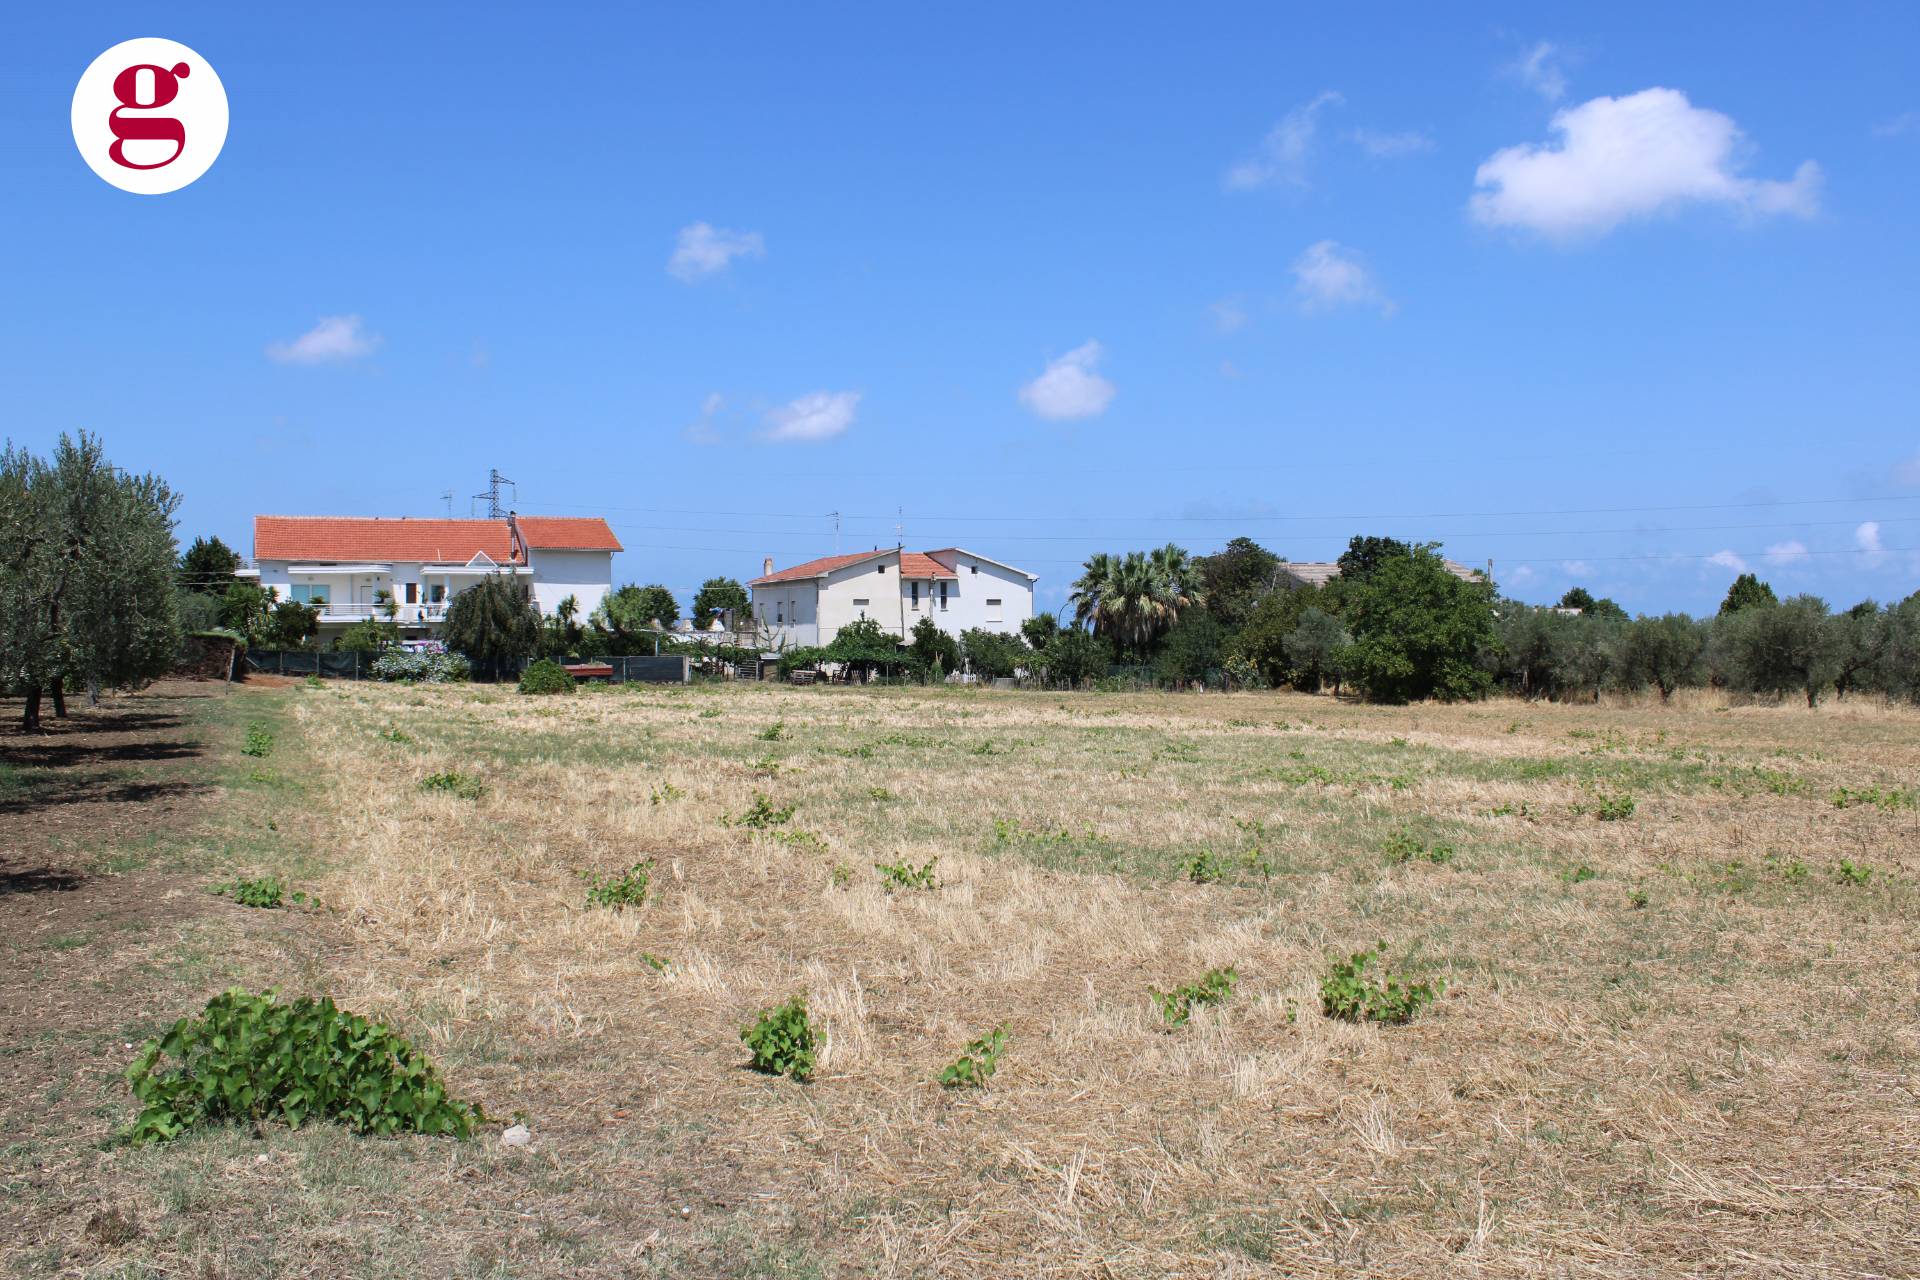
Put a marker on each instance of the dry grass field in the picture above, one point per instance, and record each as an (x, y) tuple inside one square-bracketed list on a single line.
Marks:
[(1678, 1036)]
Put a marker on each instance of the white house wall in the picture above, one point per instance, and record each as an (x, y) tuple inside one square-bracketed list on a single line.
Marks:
[(819, 608), (587, 576), (976, 582)]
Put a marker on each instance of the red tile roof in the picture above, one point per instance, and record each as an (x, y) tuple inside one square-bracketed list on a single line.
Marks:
[(567, 533), (381, 538), (913, 564)]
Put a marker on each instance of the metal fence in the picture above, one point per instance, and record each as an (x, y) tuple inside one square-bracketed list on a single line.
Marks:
[(666, 668)]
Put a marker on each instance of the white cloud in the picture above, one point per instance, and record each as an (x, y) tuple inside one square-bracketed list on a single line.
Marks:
[(1791, 551), (1330, 275), (1867, 537), (1382, 145), (1070, 387), (1283, 154), (819, 415), (1618, 159), (1899, 126), (705, 250), (1577, 568), (1229, 316), (1728, 560), (1538, 68), (335, 338), (706, 430)]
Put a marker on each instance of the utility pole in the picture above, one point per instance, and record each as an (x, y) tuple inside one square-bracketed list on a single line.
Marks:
[(900, 564), (494, 480), (900, 561)]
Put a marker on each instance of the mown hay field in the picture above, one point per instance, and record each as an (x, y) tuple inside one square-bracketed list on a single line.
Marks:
[(1678, 1032)]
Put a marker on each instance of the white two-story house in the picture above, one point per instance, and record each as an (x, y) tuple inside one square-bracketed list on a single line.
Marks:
[(959, 590), (351, 566)]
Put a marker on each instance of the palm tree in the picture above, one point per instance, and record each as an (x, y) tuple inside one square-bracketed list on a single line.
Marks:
[(1090, 589), (1135, 597), (1177, 570)]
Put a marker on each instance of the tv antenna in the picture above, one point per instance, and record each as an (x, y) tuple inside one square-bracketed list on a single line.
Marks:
[(447, 498), (495, 509), (835, 516)]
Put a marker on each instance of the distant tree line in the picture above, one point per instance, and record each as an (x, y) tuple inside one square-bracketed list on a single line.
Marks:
[(1396, 624)]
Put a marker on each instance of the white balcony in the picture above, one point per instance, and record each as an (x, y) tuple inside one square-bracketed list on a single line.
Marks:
[(402, 614)]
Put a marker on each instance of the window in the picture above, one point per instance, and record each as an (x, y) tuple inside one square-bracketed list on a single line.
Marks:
[(437, 593), (413, 593), (780, 613), (973, 568), (993, 611), (861, 605), (881, 569), (308, 592), (943, 597), (916, 597)]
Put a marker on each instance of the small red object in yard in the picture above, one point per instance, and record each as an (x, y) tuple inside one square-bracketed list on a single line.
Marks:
[(590, 670)]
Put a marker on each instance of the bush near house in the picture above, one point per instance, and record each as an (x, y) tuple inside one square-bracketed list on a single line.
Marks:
[(546, 676), (422, 668)]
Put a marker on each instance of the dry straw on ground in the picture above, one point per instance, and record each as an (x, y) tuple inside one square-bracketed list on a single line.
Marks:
[(1673, 1042)]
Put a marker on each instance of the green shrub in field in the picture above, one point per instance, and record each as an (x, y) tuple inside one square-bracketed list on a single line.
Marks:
[(397, 735), (760, 815), (628, 889), (267, 892), (1404, 847), (773, 732), (1579, 875), (250, 1059), (1212, 987), (454, 783), (1204, 868), (1879, 797), (1610, 806), (1349, 993), (314, 682), (977, 1062), (259, 741), (904, 875), (782, 1040), (1852, 872), (546, 676)]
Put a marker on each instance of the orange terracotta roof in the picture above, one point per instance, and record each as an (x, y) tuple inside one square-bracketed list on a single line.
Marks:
[(567, 533), (913, 564), (380, 538)]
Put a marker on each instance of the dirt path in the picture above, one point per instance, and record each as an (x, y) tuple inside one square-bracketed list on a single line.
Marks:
[(103, 922)]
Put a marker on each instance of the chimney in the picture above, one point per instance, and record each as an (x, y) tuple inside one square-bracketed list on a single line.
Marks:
[(766, 567)]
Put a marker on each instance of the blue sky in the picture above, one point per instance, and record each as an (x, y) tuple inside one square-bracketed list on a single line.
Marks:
[(1595, 295)]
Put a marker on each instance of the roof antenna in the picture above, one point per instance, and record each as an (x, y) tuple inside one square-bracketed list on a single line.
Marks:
[(447, 497), (492, 495), (836, 531)]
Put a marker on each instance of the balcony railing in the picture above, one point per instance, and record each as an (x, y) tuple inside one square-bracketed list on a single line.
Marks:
[(333, 611)]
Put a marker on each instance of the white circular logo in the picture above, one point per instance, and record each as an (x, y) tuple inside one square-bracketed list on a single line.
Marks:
[(150, 116)]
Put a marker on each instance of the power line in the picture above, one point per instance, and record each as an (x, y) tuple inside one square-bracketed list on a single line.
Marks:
[(1473, 533), (891, 517)]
